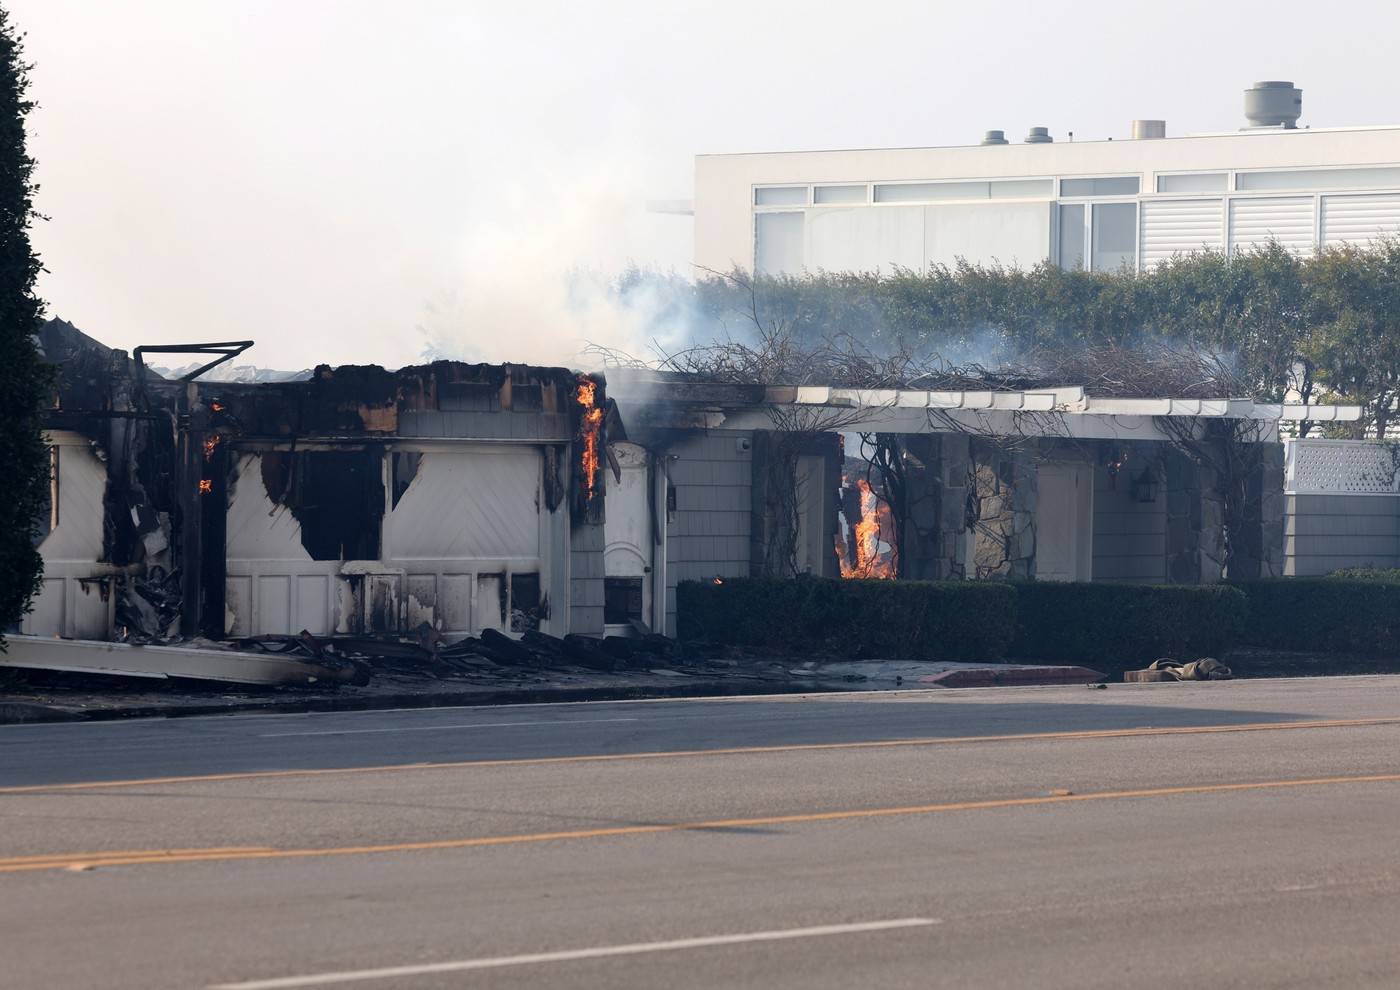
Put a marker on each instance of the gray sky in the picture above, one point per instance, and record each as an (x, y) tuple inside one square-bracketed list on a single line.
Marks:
[(351, 181)]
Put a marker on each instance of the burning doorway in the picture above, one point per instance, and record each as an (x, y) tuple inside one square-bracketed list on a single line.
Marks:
[(867, 542)]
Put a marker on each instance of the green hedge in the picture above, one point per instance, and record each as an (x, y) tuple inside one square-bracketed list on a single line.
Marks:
[(1124, 625), (924, 620), (1368, 574), (1108, 626), (1351, 614)]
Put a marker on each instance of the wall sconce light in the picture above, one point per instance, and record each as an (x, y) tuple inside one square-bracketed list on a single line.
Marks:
[(1144, 486), (1115, 460)]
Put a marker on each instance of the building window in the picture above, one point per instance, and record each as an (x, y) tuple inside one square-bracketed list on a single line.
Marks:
[(1198, 182), (526, 397), (925, 192), (1118, 185), (778, 243), (1103, 234), (526, 605), (1115, 236), (1319, 178), (839, 195), (1072, 235), (622, 600), (780, 196), (922, 192), (1022, 189)]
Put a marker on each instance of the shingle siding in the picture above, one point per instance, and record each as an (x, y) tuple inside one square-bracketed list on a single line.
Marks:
[(1323, 533), (586, 579), (1130, 537), (709, 535)]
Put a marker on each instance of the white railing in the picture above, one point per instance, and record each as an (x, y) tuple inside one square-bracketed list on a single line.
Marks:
[(1342, 467)]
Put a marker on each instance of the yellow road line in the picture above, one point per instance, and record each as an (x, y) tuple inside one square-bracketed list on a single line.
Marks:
[(93, 785), (64, 859), (211, 855)]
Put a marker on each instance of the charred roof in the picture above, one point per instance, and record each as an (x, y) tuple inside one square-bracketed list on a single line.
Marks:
[(336, 401)]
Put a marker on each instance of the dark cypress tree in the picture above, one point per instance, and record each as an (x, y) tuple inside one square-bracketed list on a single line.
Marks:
[(24, 377)]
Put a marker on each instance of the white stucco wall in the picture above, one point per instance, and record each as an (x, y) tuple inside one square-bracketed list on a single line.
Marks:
[(724, 183)]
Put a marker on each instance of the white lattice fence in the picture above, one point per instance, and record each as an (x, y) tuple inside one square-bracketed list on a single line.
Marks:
[(1343, 467)]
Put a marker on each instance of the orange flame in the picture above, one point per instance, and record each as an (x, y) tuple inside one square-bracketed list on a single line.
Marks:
[(589, 431), (211, 444), (874, 542), (206, 486)]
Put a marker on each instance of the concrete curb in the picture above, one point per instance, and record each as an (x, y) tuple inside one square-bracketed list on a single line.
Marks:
[(1013, 677), (26, 713), (13, 713)]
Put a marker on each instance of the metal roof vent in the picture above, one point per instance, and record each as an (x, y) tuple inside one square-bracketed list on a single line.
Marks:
[(1149, 130), (995, 137), (1039, 135), (1274, 103)]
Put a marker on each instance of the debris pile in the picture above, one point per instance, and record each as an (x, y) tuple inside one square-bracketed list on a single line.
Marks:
[(493, 653)]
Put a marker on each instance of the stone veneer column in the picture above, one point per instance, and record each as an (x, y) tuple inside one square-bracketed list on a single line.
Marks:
[(1006, 496)]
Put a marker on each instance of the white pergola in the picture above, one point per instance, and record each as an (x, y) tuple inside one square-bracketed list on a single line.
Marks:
[(1048, 412)]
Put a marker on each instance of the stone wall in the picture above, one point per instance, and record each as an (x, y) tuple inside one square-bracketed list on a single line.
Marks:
[(1003, 507)]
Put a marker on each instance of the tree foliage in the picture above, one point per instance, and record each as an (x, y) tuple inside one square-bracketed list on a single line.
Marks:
[(1323, 328), (1353, 339), (24, 377)]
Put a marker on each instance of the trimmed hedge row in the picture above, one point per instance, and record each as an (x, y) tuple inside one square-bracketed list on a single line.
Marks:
[(1341, 614), (1111, 626), (1124, 624), (923, 620), (964, 620)]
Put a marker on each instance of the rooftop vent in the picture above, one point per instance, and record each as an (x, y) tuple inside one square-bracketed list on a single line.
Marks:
[(995, 137), (1274, 103), (1039, 135), (1149, 130)]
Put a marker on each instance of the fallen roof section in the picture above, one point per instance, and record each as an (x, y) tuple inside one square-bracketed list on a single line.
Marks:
[(163, 662)]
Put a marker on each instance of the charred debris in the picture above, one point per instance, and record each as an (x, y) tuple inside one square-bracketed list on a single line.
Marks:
[(328, 452)]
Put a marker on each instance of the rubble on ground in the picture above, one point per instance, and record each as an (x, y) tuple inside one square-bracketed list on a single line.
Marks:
[(1167, 669)]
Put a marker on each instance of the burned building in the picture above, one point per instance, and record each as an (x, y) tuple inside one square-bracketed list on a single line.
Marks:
[(1003, 481), (450, 498), (460, 497)]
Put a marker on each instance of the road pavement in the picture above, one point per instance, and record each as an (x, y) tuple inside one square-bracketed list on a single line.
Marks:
[(1205, 835)]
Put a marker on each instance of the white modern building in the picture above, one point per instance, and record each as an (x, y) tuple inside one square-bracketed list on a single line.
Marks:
[(1099, 205)]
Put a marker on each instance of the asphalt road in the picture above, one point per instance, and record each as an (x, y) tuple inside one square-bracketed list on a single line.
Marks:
[(1234, 834)]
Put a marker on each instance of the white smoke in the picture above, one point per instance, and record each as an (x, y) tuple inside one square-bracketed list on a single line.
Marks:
[(541, 277)]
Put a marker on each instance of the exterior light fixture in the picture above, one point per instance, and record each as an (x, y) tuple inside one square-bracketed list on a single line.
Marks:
[(1115, 461), (1144, 486)]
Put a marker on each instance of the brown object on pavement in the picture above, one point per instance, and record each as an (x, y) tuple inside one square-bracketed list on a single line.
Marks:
[(1166, 669)]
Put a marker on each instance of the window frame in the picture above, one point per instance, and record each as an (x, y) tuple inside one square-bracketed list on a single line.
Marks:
[(1090, 203), (1096, 197), (1049, 196), (758, 187)]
